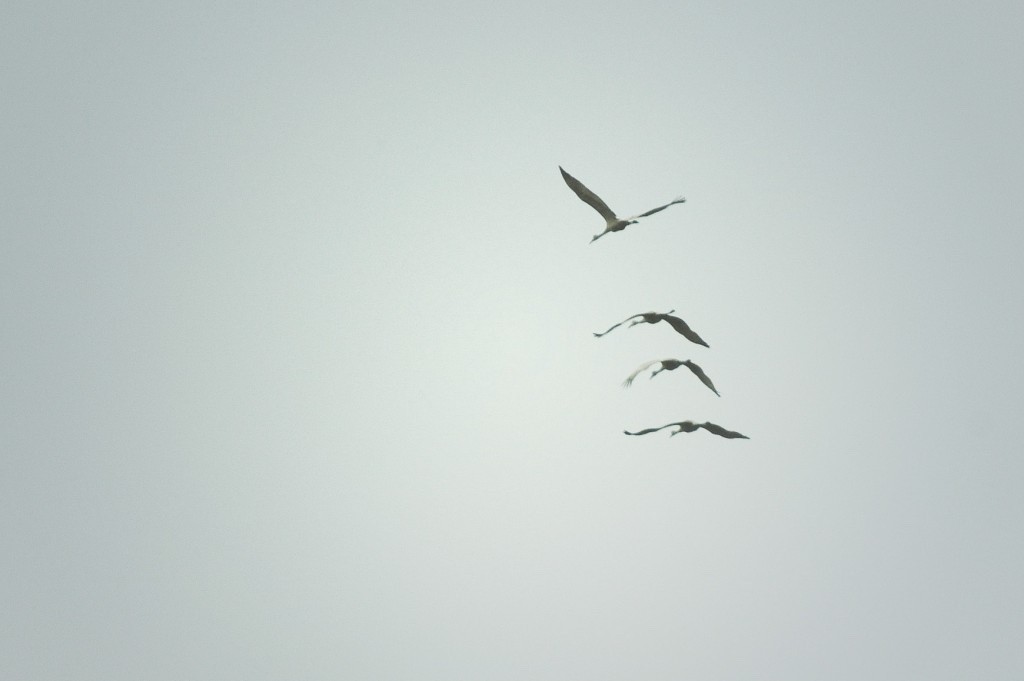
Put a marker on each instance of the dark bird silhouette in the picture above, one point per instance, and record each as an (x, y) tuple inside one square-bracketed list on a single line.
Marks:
[(689, 427), (613, 222), (654, 317), (671, 365)]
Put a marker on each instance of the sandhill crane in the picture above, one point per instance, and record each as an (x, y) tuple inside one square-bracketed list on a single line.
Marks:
[(613, 222), (689, 427), (671, 365), (654, 317)]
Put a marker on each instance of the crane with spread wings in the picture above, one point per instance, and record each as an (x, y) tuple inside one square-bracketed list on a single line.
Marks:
[(689, 427), (676, 323), (671, 365), (613, 223)]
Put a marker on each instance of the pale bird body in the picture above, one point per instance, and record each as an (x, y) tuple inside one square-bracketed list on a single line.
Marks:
[(613, 223)]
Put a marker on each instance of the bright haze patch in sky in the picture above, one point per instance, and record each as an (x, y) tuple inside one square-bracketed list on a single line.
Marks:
[(299, 379)]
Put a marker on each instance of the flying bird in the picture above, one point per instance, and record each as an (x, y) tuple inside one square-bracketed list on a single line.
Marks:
[(689, 427), (654, 317), (613, 222), (670, 365)]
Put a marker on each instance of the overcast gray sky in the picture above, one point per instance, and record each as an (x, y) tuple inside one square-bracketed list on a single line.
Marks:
[(298, 375)]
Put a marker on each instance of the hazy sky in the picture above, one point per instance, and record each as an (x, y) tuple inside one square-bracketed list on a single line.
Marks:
[(298, 374)]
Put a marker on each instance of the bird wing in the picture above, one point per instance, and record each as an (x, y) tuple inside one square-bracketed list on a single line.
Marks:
[(598, 335), (659, 208), (650, 430), (719, 430), (699, 373), (646, 365), (683, 328), (588, 197)]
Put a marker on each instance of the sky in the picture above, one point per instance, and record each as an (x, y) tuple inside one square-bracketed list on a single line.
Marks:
[(299, 378)]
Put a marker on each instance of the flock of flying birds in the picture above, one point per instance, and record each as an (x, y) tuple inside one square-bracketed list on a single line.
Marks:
[(614, 223)]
